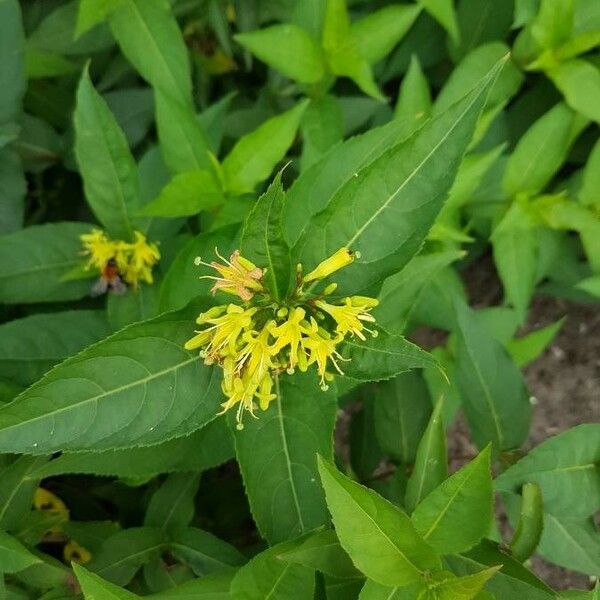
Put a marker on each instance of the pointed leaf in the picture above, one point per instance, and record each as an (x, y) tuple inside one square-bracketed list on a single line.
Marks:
[(430, 463), (137, 387), (263, 243), (96, 588), (277, 457), (386, 211), (414, 99), (289, 49), (106, 165), (14, 557), (377, 535), (458, 513), (150, 39), (256, 154), (492, 388), (172, 506), (382, 357)]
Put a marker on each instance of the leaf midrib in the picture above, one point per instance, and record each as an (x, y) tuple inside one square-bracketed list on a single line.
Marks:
[(97, 397)]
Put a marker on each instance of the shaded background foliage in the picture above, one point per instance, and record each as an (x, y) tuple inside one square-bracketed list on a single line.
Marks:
[(172, 118)]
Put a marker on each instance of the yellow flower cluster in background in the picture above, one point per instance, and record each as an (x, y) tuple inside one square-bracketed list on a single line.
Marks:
[(48, 503), (133, 260), (256, 341)]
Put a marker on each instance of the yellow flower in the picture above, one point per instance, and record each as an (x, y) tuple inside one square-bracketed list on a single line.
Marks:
[(224, 331), (238, 276), (350, 316), (290, 334), (342, 258), (49, 503), (98, 247), (135, 261), (322, 348), (73, 552)]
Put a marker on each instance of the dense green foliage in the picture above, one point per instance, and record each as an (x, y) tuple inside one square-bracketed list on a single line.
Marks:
[(422, 136)]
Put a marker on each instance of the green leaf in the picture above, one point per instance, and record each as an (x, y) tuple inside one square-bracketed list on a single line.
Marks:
[(210, 587), (183, 142), (579, 82), (203, 552), (14, 557), (386, 211), (443, 12), (378, 32), (342, 50), (17, 485), (289, 49), (461, 588), (321, 551), (322, 127), (377, 535), (515, 244), (571, 543), (132, 307), (12, 59), (263, 243), (92, 12), (314, 189), (265, 576), (531, 523), (106, 165), (203, 449), (402, 292), (541, 151), (382, 357), (566, 468), (137, 387), (527, 348), (277, 457), (430, 462), (172, 506), (96, 588), (256, 154), (31, 346), (590, 184), (182, 282), (402, 409), (493, 392), (414, 98), (457, 514), (472, 68), (376, 591), (151, 41), (186, 194), (554, 22), (125, 552), (13, 187), (34, 260)]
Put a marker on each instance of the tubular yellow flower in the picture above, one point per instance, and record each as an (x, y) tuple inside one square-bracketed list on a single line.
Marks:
[(98, 247), (350, 316), (238, 276), (73, 552), (342, 258), (254, 344), (290, 334)]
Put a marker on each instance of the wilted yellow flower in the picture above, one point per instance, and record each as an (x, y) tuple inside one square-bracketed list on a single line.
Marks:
[(73, 552), (342, 258), (238, 276), (254, 345), (118, 260), (351, 316)]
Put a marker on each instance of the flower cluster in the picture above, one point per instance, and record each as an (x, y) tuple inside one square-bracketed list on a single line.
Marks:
[(255, 341), (133, 260)]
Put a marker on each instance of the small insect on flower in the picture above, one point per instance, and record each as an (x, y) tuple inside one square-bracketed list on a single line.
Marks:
[(120, 264), (257, 343)]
